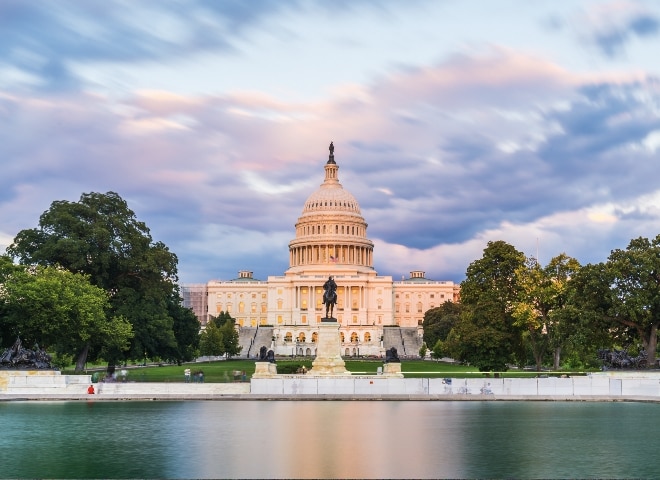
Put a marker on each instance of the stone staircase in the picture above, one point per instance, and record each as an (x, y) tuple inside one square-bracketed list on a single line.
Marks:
[(392, 338), (251, 339), (412, 342), (263, 337), (405, 339), (246, 340)]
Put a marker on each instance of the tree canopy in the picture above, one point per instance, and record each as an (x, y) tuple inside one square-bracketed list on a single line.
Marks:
[(438, 322), (485, 335), (100, 236), (220, 337), (623, 294), (59, 310), (537, 309)]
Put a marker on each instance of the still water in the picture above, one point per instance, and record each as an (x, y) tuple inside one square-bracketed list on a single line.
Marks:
[(328, 439)]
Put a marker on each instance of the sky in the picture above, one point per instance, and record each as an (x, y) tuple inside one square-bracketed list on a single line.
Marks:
[(455, 123)]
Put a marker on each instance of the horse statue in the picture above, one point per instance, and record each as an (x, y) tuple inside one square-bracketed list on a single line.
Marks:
[(329, 296)]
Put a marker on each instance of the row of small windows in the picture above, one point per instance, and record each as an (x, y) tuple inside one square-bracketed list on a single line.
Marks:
[(288, 337), (344, 230), (419, 295), (332, 203), (240, 295), (420, 307), (241, 307)]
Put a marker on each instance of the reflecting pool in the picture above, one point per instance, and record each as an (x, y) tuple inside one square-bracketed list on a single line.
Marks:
[(328, 439)]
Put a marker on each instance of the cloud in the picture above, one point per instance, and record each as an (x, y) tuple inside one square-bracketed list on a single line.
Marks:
[(487, 143), (611, 26)]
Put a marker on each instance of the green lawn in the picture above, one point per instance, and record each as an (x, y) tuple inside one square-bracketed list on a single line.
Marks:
[(231, 370)]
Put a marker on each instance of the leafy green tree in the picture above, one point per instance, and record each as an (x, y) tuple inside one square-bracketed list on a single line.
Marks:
[(423, 350), (100, 236), (439, 321), (186, 330), (227, 326), (623, 294), (211, 341), (438, 350), (220, 336), (61, 311), (542, 294), (485, 335)]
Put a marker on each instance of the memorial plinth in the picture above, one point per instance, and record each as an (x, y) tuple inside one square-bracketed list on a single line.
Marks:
[(328, 361), (265, 370), (392, 370)]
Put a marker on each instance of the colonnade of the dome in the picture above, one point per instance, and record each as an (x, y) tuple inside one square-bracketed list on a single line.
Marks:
[(344, 254)]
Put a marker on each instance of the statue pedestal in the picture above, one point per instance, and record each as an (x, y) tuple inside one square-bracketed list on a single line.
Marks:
[(392, 369), (328, 359), (265, 370)]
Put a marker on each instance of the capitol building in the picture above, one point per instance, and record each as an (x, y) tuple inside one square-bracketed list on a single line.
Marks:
[(374, 312)]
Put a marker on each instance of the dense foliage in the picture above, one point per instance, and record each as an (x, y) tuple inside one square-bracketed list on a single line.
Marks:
[(100, 237), (58, 310), (437, 324), (220, 337), (514, 310), (485, 335)]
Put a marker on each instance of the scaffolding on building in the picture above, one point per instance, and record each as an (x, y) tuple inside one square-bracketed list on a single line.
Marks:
[(195, 297)]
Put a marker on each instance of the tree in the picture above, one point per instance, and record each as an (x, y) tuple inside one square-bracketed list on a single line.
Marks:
[(100, 236), (623, 294), (211, 341), (186, 330), (439, 321), (220, 337), (542, 294), (485, 335), (61, 311), (230, 340)]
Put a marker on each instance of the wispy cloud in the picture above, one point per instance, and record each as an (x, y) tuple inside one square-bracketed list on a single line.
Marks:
[(483, 140)]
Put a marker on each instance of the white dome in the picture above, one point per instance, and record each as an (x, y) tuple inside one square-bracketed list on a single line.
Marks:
[(331, 198)]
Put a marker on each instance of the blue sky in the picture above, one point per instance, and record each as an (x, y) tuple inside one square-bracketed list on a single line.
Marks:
[(455, 122)]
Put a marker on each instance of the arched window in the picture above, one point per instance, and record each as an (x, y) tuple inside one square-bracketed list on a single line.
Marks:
[(288, 337), (241, 307), (367, 337), (354, 337), (315, 337), (301, 337), (341, 335)]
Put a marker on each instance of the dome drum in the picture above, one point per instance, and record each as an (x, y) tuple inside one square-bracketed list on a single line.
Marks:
[(331, 229)]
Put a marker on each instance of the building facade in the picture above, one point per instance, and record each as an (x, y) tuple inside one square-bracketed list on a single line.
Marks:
[(374, 312)]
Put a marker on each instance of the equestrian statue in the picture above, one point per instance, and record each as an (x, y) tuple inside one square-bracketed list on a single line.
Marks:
[(329, 296)]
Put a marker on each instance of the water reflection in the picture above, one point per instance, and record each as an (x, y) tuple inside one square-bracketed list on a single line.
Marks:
[(281, 439)]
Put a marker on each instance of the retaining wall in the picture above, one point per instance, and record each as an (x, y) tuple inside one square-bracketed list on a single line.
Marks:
[(593, 385)]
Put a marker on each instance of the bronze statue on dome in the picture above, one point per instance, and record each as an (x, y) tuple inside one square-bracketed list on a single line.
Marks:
[(332, 148)]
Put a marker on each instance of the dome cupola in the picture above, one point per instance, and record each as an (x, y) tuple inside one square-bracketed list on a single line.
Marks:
[(331, 230)]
